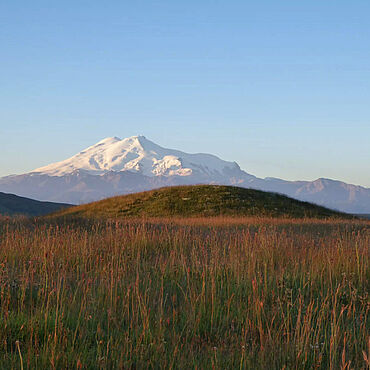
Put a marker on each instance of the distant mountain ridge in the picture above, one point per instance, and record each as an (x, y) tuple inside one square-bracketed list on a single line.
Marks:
[(11, 204), (115, 167)]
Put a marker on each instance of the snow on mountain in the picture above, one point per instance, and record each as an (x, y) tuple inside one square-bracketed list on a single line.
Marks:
[(140, 155), (114, 166)]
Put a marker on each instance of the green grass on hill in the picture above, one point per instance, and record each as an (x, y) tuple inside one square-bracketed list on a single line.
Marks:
[(200, 200)]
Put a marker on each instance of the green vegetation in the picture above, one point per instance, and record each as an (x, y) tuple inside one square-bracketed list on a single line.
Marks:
[(200, 200), (200, 293), (11, 204)]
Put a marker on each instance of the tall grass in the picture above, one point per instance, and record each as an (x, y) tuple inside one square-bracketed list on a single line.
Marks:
[(185, 293)]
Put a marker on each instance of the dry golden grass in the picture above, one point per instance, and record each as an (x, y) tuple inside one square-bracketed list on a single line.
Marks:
[(185, 293)]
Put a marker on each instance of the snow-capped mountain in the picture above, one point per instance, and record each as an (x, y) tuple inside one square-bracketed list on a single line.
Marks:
[(139, 155), (114, 166)]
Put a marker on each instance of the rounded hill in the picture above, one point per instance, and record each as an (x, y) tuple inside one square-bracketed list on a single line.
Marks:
[(200, 200)]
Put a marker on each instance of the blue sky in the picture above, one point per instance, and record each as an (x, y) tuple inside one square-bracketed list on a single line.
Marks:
[(281, 87)]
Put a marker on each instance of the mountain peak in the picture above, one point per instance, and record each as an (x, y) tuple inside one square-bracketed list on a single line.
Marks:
[(140, 155), (137, 139), (117, 166)]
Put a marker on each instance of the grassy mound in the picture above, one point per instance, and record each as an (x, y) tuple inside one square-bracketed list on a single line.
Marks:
[(200, 200)]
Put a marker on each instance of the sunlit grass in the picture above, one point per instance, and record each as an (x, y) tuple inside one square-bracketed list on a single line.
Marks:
[(201, 201), (185, 293)]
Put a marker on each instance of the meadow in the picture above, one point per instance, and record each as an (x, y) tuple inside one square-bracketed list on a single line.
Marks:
[(244, 293)]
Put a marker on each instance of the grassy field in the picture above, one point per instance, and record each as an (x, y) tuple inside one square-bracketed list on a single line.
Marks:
[(185, 293)]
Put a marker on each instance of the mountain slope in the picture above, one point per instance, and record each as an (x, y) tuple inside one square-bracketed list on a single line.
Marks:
[(114, 167), (199, 200), (329, 193), (139, 155), (11, 204)]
